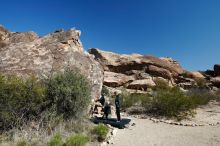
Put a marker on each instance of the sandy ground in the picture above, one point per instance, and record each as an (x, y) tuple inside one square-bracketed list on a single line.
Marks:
[(147, 133)]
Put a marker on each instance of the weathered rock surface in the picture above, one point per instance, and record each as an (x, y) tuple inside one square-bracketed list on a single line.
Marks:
[(139, 72), (141, 84), (217, 69), (119, 69), (116, 79), (216, 81), (122, 63), (195, 75), (25, 54)]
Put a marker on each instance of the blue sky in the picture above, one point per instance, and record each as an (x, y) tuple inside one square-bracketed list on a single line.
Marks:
[(186, 30)]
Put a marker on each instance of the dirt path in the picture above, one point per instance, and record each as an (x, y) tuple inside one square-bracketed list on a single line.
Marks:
[(147, 133)]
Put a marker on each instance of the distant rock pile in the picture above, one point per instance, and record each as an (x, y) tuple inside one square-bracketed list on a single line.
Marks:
[(25, 53)]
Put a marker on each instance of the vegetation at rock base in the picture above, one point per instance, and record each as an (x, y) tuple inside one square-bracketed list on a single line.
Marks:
[(105, 91), (22, 143), (55, 141), (77, 140), (21, 100), (70, 93), (169, 101), (100, 131), (44, 105)]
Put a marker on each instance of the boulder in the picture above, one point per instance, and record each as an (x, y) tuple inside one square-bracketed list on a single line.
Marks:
[(26, 54), (216, 81), (142, 84), (195, 75), (186, 85), (217, 69), (157, 71), (112, 79), (122, 63)]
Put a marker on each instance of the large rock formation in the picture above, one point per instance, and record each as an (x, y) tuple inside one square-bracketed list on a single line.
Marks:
[(217, 69), (135, 71), (26, 53), (138, 72)]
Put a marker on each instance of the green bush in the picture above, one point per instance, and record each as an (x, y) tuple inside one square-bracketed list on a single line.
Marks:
[(70, 93), (100, 131), (22, 143), (63, 96), (201, 83), (161, 85), (55, 141), (201, 96), (77, 140), (21, 100), (105, 91), (172, 103), (131, 99)]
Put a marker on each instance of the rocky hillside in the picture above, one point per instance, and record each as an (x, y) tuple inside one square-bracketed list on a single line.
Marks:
[(25, 53), (138, 72)]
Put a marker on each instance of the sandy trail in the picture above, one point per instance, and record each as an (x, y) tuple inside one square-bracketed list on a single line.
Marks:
[(147, 133)]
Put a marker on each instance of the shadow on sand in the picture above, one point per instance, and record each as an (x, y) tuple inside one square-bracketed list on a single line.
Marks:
[(111, 121)]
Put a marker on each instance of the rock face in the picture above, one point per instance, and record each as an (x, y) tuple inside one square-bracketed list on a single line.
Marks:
[(216, 81), (26, 54), (135, 71), (217, 69), (116, 79), (195, 75)]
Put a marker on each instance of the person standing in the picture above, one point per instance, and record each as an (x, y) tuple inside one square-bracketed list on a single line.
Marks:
[(117, 106)]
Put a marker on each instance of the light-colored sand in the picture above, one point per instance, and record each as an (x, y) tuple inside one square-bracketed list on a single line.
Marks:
[(147, 133)]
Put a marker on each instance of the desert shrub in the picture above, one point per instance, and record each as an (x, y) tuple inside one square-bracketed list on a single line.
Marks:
[(172, 102), (100, 131), (22, 143), (161, 85), (77, 140), (132, 99), (21, 100), (70, 93), (201, 83), (201, 96), (127, 100), (105, 91), (55, 141), (217, 95)]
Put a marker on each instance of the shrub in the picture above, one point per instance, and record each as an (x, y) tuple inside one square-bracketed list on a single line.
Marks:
[(201, 96), (21, 100), (77, 140), (161, 85), (70, 93), (172, 103), (201, 83), (105, 90), (22, 143), (131, 99), (100, 131), (55, 141)]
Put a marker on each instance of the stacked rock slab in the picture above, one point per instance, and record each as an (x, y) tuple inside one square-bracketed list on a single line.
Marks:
[(135, 71), (24, 53)]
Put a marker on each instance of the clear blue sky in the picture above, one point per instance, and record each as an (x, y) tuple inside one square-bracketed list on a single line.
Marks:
[(186, 30)]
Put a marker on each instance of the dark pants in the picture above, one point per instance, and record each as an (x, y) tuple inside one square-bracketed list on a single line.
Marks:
[(118, 114)]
